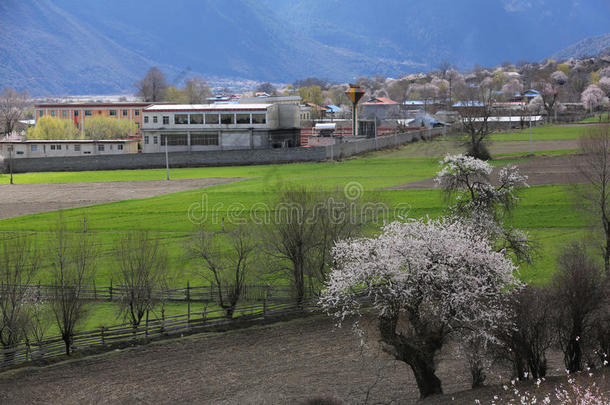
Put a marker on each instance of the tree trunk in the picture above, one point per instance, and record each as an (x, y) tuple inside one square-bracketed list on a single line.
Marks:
[(427, 381)]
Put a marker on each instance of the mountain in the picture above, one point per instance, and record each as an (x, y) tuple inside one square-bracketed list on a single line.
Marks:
[(588, 47), (54, 47)]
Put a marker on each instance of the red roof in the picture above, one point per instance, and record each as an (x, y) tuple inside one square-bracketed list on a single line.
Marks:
[(380, 101)]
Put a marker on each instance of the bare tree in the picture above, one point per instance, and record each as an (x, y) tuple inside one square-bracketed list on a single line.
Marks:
[(577, 295), (305, 226), (12, 108), (549, 91), (197, 90), (266, 88), (524, 341), (142, 270), (73, 261), (153, 86), (596, 169), (475, 109), (19, 262), (227, 271)]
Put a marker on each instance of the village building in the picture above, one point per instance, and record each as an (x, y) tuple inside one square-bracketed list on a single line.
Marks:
[(79, 112), (200, 127), (18, 149)]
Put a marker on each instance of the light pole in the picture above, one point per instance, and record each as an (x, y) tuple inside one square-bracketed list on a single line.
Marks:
[(166, 159), (10, 161)]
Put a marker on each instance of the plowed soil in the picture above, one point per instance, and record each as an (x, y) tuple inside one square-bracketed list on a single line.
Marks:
[(24, 199)]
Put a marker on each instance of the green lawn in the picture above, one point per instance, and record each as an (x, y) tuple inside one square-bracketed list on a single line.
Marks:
[(542, 133), (546, 212), (596, 118)]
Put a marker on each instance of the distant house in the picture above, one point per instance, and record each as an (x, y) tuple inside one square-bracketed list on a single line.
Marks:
[(62, 148), (380, 108), (199, 127), (79, 112), (526, 95)]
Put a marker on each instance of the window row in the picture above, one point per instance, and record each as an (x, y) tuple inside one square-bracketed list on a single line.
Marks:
[(77, 148), (88, 113), (182, 139), (212, 119)]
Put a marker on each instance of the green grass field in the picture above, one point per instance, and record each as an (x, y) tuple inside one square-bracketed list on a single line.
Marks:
[(541, 133), (596, 118), (546, 212)]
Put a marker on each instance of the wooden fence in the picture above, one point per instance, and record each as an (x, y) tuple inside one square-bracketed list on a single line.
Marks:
[(150, 329), (189, 293)]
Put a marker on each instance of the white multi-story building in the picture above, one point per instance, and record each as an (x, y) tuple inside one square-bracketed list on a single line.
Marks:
[(13, 149), (199, 127)]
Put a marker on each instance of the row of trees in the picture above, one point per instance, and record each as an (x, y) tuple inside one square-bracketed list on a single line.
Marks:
[(293, 240), (94, 128)]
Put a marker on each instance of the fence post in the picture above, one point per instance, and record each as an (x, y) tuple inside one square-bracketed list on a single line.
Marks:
[(188, 302), (146, 332), (94, 291), (110, 289), (103, 341)]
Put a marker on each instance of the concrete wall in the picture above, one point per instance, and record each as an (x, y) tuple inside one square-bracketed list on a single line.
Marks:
[(216, 157), (157, 160)]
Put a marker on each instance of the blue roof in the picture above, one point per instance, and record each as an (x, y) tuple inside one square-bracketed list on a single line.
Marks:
[(331, 108), (414, 102), (473, 103)]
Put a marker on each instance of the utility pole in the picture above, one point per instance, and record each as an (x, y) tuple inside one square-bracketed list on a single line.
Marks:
[(10, 161), (531, 137), (166, 159)]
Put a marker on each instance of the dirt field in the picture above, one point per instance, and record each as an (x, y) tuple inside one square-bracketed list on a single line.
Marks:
[(561, 169), (24, 199), (290, 363), (278, 364)]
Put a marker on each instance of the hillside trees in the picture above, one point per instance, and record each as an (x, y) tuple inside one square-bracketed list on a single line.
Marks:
[(142, 269), (13, 105), (593, 97), (153, 87), (428, 280), (197, 90), (48, 127)]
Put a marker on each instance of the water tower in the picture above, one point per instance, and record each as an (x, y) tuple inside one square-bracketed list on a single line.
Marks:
[(354, 93)]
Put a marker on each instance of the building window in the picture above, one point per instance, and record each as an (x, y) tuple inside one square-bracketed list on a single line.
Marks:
[(137, 125), (174, 140), (125, 112), (243, 118), (87, 152), (76, 113), (34, 148), (119, 147), (155, 141), (146, 119), (137, 112), (259, 119), (100, 148), (181, 119), (196, 118), (19, 152), (76, 148), (165, 120), (55, 147), (67, 147), (64, 113), (146, 140), (227, 119), (211, 119), (155, 119), (88, 113), (110, 147), (40, 113), (204, 139), (112, 113), (52, 113)]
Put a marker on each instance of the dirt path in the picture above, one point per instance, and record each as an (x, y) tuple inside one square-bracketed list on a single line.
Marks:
[(540, 171), (24, 199)]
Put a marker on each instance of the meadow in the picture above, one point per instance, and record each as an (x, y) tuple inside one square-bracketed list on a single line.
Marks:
[(546, 213)]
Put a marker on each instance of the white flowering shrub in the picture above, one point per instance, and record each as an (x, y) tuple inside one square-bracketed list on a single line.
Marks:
[(482, 203), (428, 279)]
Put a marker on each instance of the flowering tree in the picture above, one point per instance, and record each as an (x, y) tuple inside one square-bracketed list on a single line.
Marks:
[(549, 91), (428, 280), (593, 97), (467, 181)]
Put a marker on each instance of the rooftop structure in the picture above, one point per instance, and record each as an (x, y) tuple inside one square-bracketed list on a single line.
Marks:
[(11, 149)]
